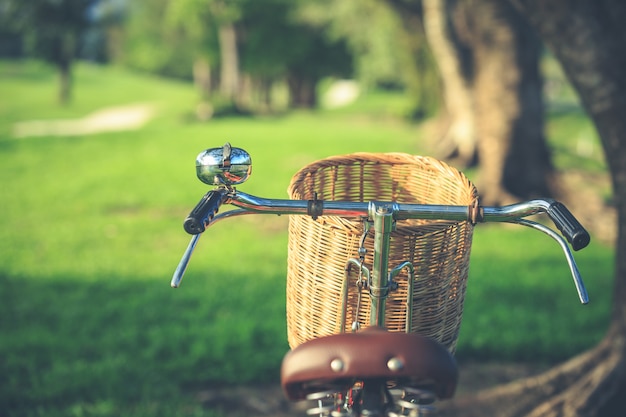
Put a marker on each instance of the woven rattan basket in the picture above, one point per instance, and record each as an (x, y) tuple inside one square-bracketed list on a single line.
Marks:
[(319, 249)]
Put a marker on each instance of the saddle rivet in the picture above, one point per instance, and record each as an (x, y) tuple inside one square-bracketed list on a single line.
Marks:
[(336, 365), (395, 364)]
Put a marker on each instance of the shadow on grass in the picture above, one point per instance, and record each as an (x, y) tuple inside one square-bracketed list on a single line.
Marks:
[(103, 346), (132, 346)]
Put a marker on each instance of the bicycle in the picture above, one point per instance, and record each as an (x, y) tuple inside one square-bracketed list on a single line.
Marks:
[(394, 366)]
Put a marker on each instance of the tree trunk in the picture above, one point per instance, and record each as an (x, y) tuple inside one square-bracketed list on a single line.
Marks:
[(489, 63), (459, 140), (64, 58), (202, 77), (229, 76), (203, 83), (508, 99), (65, 82), (588, 39), (265, 92), (302, 92)]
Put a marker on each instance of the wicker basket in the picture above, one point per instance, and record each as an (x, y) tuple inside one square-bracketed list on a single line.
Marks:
[(319, 249)]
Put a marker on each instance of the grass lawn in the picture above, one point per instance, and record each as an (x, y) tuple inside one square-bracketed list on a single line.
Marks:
[(91, 231)]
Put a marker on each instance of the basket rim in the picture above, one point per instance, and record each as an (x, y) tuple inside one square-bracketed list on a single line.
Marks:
[(380, 157)]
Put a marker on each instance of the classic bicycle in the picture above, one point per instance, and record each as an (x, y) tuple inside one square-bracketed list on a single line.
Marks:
[(378, 258)]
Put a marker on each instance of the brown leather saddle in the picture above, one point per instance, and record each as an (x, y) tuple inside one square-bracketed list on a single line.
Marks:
[(337, 362)]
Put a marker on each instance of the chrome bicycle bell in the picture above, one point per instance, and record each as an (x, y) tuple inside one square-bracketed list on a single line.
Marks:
[(223, 166)]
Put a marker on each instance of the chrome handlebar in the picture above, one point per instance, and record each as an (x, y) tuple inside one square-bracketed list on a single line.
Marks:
[(217, 173)]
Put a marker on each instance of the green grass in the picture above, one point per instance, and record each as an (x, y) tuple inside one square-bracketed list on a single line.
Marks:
[(91, 231), (521, 302)]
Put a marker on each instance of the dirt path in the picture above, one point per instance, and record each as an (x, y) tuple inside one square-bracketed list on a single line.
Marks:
[(109, 119)]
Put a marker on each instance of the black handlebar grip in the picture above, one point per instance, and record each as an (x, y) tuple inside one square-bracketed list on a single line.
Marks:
[(204, 211), (565, 221)]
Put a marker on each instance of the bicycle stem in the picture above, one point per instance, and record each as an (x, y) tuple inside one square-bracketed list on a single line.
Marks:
[(379, 289)]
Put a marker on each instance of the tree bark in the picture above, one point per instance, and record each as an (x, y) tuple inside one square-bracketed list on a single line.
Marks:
[(459, 140), (509, 110), (488, 58), (587, 38)]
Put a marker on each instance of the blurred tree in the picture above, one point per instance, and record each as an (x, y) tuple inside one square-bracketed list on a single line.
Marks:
[(194, 19), (189, 39), (51, 30), (387, 52), (11, 45), (488, 58), (103, 39), (253, 43), (152, 43), (277, 43), (226, 13), (588, 39), (266, 46)]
